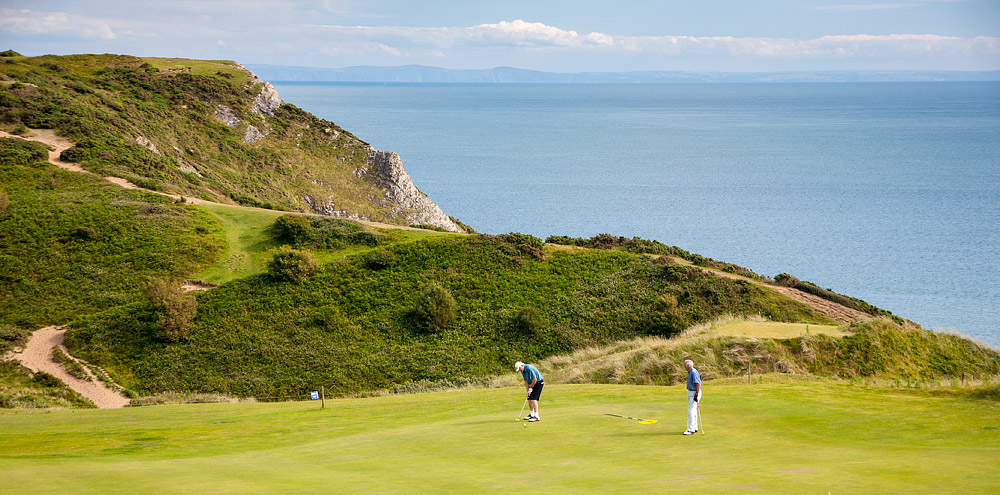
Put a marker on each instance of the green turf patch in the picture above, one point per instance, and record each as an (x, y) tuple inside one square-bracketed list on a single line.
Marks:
[(796, 438)]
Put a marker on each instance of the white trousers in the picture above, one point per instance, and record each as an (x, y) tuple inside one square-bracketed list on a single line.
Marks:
[(692, 412)]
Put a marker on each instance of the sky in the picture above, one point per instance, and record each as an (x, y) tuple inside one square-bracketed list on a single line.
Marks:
[(546, 35)]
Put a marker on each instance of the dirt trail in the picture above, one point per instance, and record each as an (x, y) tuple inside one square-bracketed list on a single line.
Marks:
[(37, 356), (57, 145), (836, 312)]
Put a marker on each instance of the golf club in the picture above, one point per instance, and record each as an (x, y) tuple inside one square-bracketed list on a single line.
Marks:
[(640, 420), (518, 418), (700, 421)]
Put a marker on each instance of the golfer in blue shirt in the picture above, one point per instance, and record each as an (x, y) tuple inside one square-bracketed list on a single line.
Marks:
[(694, 395), (533, 384)]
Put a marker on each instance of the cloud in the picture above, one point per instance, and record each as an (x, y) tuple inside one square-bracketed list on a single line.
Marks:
[(33, 22), (536, 36), (517, 33)]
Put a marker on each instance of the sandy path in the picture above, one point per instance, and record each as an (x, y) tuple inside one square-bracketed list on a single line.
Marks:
[(37, 356), (57, 145), (836, 312), (832, 310)]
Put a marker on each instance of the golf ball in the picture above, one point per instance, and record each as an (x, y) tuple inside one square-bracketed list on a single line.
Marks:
[(525, 425)]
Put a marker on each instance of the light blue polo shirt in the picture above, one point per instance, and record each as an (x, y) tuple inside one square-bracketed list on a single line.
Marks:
[(531, 372), (693, 379)]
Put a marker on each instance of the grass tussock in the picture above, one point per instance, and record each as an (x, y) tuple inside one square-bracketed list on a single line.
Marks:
[(185, 398), (19, 388), (881, 349)]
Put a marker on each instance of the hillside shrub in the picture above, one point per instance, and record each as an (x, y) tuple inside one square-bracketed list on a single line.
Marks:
[(436, 308), (74, 154), (785, 280), (15, 151), (291, 265), (174, 310), (294, 229), (529, 320), (380, 260), (12, 337)]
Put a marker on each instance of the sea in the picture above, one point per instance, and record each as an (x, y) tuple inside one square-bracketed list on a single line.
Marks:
[(888, 192)]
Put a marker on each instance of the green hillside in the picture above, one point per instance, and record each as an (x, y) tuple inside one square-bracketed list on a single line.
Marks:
[(362, 323), (184, 126)]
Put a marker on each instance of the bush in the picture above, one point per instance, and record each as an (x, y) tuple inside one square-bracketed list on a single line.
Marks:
[(291, 265), (785, 280), (174, 309), (380, 260), (529, 320), (74, 154), (294, 229), (436, 308), (12, 337), (15, 151), (9, 53)]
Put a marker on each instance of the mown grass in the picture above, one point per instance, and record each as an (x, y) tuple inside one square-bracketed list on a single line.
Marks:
[(250, 242), (792, 438), (355, 326)]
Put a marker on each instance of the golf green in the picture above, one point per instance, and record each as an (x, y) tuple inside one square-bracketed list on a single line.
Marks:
[(772, 438)]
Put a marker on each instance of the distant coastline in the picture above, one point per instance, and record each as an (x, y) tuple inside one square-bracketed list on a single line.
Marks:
[(510, 75)]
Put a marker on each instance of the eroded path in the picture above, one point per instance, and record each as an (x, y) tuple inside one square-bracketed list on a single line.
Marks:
[(37, 356)]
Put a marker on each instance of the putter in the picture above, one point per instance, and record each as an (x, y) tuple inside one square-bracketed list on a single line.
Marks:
[(640, 420), (518, 418), (701, 422)]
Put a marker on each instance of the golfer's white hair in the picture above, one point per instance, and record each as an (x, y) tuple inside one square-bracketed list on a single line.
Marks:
[(688, 361)]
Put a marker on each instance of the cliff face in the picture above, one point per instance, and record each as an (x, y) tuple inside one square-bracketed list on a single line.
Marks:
[(385, 169)]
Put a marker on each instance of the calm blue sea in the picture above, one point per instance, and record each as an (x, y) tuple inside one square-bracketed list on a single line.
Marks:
[(889, 192)]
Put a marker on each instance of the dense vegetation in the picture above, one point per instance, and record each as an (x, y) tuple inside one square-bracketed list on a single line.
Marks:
[(184, 126), (639, 245), (74, 244), (381, 318)]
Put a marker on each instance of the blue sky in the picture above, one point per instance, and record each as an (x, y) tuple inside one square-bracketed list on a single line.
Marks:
[(549, 35)]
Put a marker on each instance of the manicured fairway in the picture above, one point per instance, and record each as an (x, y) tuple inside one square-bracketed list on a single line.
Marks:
[(776, 438)]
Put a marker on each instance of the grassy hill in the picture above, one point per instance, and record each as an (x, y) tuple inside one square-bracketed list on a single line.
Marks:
[(794, 438), (202, 129), (361, 323)]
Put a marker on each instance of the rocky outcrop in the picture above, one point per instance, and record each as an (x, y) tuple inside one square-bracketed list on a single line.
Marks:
[(267, 101), (226, 115), (385, 170), (142, 141), (252, 135)]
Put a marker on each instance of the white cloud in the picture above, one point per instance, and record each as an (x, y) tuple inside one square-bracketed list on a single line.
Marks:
[(25, 21), (538, 36)]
